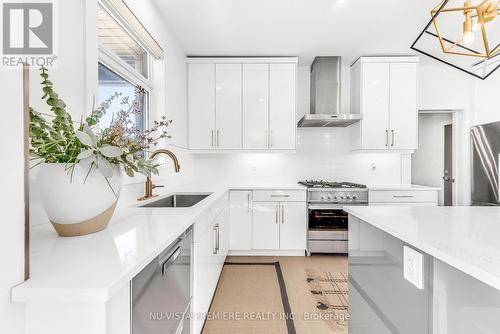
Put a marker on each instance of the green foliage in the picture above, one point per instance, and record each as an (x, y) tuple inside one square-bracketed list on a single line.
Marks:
[(120, 144)]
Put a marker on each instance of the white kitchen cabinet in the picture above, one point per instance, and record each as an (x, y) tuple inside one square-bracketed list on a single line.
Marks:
[(242, 104), (210, 248), (255, 106), (240, 212), (403, 102), (375, 106), (279, 220), (422, 197), (384, 91), (282, 116), (204, 274), (201, 106), (228, 106), (293, 229), (266, 227)]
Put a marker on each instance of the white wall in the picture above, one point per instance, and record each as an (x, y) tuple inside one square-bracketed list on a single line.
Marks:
[(428, 160)]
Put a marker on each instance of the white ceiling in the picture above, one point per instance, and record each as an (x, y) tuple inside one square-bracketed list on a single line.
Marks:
[(305, 28)]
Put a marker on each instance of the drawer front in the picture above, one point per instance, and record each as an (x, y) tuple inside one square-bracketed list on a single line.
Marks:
[(279, 195), (327, 246), (327, 235), (403, 196)]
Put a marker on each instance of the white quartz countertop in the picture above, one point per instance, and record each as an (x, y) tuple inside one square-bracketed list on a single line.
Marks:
[(92, 268), (466, 238), (403, 187)]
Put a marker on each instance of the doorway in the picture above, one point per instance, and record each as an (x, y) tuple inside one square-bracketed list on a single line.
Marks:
[(448, 179), (433, 161)]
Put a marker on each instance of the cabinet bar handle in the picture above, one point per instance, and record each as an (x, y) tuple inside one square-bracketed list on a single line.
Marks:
[(392, 133), (218, 238), (403, 196), (215, 233), (277, 213), (280, 195), (248, 202), (217, 138), (282, 214), (270, 138), (212, 138), (386, 137)]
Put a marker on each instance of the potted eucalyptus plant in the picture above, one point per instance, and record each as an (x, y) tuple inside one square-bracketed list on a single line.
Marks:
[(80, 172)]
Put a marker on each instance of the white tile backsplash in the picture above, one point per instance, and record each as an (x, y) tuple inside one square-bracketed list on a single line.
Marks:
[(321, 154)]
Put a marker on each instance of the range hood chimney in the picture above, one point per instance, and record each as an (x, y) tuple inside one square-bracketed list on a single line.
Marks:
[(325, 96)]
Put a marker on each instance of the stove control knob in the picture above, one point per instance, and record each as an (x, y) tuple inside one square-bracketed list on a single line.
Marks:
[(330, 197), (355, 196), (342, 197), (348, 196), (323, 198)]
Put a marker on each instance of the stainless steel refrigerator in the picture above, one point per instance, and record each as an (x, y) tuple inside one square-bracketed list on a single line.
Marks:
[(485, 164)]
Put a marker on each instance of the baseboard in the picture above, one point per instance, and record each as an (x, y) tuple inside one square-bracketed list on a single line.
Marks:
[(265, 252)]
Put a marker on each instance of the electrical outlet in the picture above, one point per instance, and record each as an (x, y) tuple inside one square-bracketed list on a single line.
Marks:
[(413, 267)]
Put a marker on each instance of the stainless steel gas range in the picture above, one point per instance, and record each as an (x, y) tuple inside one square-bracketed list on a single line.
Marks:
[(327, 221)]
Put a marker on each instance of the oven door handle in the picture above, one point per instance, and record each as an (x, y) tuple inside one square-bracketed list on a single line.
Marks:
[(325, 207)]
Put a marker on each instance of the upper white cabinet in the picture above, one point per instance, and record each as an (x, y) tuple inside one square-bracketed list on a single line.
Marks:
[(384, 91), (201, 106), (255, 106), (228, 106), (245, 104), (282, 115)]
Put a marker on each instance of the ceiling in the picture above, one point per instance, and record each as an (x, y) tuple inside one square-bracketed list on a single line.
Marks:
[(304, 28)]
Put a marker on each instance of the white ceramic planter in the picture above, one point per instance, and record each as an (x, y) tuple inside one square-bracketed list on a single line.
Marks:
[(75, 205)]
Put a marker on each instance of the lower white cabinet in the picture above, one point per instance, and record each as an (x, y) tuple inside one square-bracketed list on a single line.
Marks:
[(210, 248), (266, 226), (240, 212), (279, 226), (268, 220), (293, 229)]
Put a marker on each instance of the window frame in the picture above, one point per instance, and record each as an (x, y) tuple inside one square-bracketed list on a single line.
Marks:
[(116, 63), (121, 68)]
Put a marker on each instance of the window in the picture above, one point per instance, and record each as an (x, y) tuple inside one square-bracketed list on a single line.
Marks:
[(124, 65), (109, 83), (115, 39)]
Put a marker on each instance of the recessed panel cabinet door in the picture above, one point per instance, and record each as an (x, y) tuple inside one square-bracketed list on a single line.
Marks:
[(282, 117), (266, 229), (255, 106), (240, 203), (403, 106), (201, 106), (228, 106), (293, 225), (375, 105)]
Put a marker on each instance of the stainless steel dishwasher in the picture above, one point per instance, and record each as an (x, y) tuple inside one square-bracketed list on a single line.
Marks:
[(161, 292)]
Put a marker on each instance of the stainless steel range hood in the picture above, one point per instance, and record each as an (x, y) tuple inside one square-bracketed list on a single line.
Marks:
[(325, 96)]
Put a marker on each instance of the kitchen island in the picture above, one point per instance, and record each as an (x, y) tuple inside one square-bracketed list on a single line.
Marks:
[(424, 269)]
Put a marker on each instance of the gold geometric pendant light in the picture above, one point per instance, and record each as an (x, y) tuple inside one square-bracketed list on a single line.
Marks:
[(465, 35)]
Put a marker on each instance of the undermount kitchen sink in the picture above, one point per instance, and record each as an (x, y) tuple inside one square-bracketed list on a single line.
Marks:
[(176, 201)]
